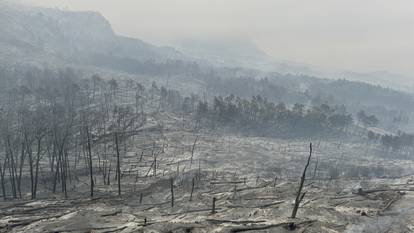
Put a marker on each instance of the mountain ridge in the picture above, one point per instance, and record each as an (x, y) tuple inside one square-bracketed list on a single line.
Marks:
[(34, 32)]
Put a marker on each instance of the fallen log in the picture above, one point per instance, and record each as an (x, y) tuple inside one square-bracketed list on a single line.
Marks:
[(111, 214), (88, 229), (265, 227), (155, 205), (30, 221), (226, 182), (360, 191), (48, 208), (259, 206), (115, 230), (388, 205), (190, 211), (241, 222), (251, 188), (260, 198)]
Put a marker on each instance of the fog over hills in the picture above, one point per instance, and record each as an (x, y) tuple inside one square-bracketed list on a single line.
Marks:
[(39, 36), (241, 53), (238, 53)]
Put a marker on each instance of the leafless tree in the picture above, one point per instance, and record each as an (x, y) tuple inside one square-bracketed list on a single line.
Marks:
[(299, 194)]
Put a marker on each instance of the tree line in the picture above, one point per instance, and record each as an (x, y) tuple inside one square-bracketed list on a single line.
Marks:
[(400, 143), (260, 115)]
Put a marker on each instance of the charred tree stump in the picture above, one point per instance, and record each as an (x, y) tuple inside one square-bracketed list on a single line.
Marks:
[(155, 166), (172, 192), (192, 190), (235, 192), (213, 207), (108, 181)]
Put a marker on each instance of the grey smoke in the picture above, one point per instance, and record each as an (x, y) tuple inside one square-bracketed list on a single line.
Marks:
[(363, 36)]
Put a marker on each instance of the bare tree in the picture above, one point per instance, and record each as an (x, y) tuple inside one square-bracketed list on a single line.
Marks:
[(299, 194), (88, 138), (3, 186), (118, 163), (192, 151)]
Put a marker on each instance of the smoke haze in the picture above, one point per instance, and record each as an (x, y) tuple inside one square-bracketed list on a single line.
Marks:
[(363, 36)]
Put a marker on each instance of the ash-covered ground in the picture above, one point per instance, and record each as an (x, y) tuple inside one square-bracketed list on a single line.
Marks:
[(254, 181)]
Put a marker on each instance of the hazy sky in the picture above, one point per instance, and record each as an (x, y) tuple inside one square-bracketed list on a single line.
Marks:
[(360, 35)]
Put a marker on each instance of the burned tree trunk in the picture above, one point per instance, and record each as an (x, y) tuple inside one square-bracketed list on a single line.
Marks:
[(118, 165), (192, 190), (172, 192), (30, 154), (21, 166), (88, 138), (39, 140), (3, 187), (192, 151), (155, 166), (12, 166), (213, 206), (299, 195)]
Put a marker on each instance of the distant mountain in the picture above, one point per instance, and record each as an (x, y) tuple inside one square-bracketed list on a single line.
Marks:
[(383, 78), (238, 53), (45, 35)]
